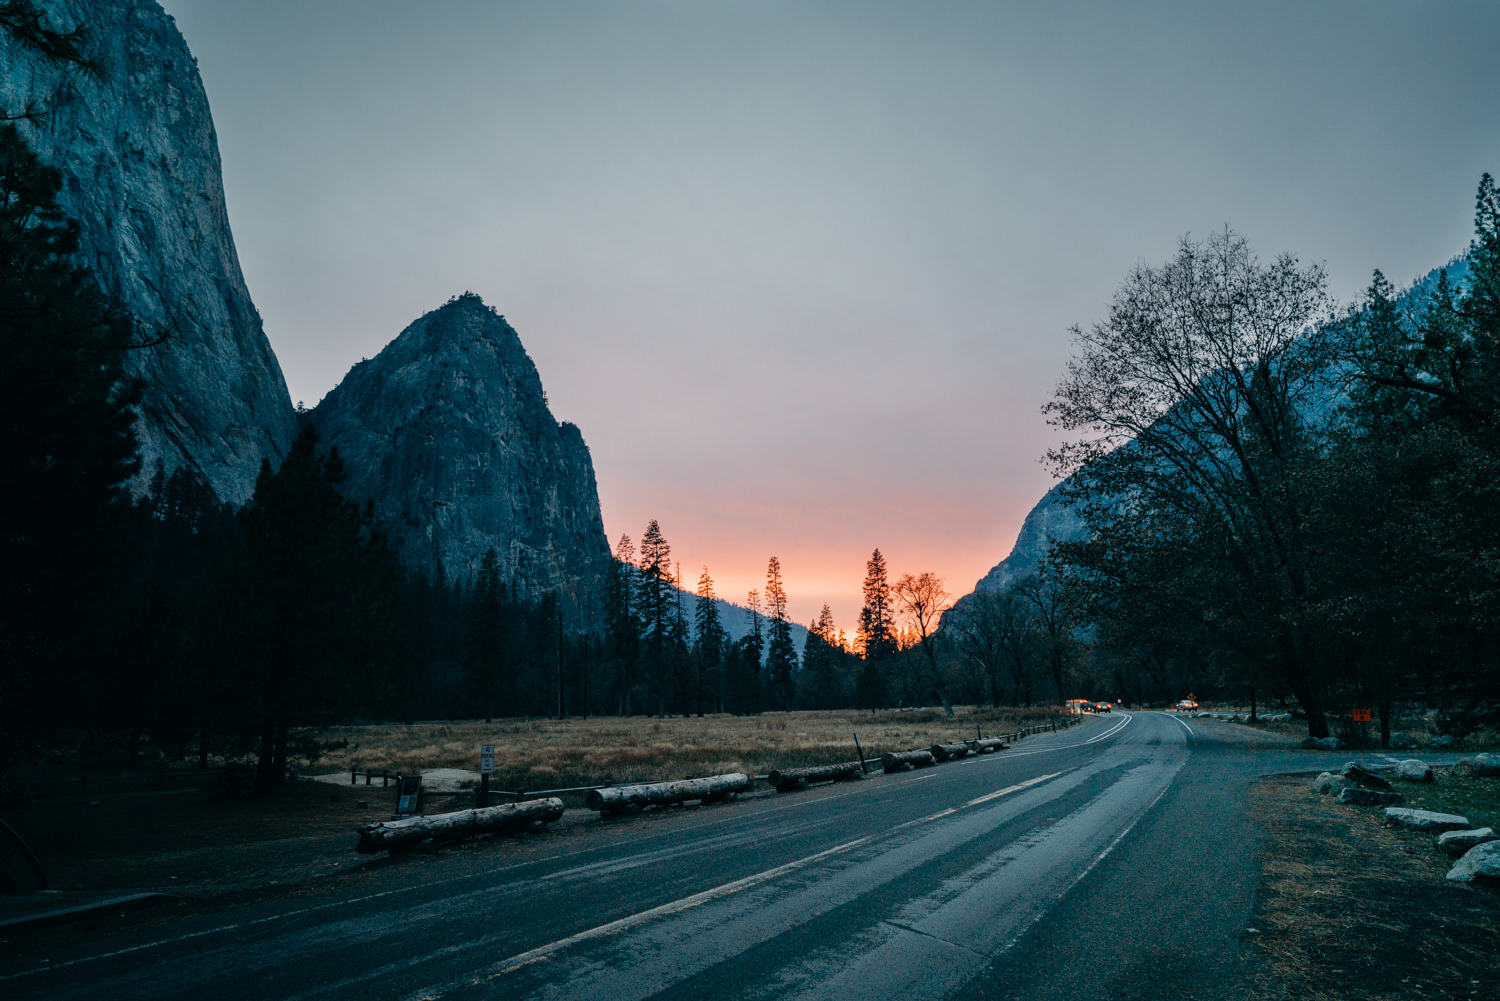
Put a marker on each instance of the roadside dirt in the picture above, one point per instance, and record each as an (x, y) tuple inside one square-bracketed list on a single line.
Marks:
[(1352, 910)]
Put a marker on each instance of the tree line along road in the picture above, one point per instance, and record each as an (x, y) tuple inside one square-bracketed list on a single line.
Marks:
[(1115, 860)]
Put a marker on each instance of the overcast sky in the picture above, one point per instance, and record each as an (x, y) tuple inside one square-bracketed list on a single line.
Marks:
[(803, 272)]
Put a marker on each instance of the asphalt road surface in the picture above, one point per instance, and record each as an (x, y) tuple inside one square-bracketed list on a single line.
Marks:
[(1111, 860)]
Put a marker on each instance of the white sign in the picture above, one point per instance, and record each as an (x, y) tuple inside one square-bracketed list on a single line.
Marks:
[(486, 759)]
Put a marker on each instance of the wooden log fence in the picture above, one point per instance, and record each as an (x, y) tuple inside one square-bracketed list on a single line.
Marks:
[(791, 779), (987, 745), (615, 799), (950, 752), (905, 761), (403, 835)]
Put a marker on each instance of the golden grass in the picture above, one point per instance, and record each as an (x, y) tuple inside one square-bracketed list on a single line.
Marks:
[(556, 754)]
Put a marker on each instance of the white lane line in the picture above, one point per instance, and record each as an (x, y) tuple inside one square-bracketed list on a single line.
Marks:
[(1112, 730), (1010, 789), (1178, 720), (663, 910)]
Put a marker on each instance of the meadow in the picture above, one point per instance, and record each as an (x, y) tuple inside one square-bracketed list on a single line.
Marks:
[(553, 754)]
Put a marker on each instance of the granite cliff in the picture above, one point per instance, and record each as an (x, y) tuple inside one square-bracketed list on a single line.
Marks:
[(1049, 521), (135, 142), (448, 431)]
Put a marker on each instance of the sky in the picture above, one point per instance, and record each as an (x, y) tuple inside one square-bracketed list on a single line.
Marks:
[(803, 273)]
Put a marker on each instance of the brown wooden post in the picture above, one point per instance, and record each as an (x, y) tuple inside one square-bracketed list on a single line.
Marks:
[(862, 767)]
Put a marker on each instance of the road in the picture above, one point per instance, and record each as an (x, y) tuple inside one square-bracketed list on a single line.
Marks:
[(1112, 860)]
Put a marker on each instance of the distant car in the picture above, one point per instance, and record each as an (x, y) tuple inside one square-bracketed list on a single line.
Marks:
[(1186, 705), (1102, 707)]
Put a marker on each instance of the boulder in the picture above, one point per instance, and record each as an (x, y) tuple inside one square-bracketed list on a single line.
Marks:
[(1441, 743), (1484, 764), (1413, 770), (1355, 796), (1456, 843), (1402, 741), (1329, 744), (1329, 784), (1479, 862), (1363, 776), (1425, 820)]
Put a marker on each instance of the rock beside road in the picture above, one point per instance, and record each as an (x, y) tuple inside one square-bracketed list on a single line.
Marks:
[(1479, 862), (1413, 770), (1329, 784), (1323, 744), (1425, 820), (1362, 776), (1485, 765), (1456, 843), (1402, 741)]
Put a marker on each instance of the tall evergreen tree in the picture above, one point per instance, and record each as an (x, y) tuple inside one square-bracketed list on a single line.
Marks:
[(708, 647), (822, 665), (744, 665), (876, 636), (313, 590), (485, 644), (66, 448), (781, 656), (656, 601), (622, 626)]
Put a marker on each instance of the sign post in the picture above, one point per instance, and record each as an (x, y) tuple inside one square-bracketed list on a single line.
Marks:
[(1363, 717), (409, 796), (486, 766)]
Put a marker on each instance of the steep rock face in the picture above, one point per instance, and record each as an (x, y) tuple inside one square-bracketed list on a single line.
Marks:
[(140, 163), (1049, 521), (448, 432)]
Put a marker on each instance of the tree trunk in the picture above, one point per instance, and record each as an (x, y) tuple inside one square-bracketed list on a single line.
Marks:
[(950, 752), (790, 779), (905, 761), (988, 745), (614, 799), (403, 835)]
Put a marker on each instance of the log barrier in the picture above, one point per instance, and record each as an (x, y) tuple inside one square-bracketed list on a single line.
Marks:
[(403, 835), (905, 761), (615, 799), (791, 779)]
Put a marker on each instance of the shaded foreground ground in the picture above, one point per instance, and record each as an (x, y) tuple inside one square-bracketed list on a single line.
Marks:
[(1350, 909), (1344, 907)]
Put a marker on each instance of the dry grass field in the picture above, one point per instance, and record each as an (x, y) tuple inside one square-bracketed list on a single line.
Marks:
[(557, 754)]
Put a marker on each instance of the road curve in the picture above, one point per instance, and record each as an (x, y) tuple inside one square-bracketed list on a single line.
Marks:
[(927, 884)]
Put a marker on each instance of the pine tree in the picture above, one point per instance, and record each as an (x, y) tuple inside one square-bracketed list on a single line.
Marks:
[(876, 636), (313, 591), (66, 449), (622, 627), (743, 668), (822, 662), (485, 643), (781, 657), (708, 647), (656, 608)]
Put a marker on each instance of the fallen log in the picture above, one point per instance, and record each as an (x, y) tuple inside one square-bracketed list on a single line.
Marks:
[(402, 835), (790, 779), (988, 745), (613, 799), (905, 761), (949, 752)]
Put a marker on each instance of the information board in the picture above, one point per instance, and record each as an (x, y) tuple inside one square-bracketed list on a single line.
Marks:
[(410, 794), (486, 758)]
